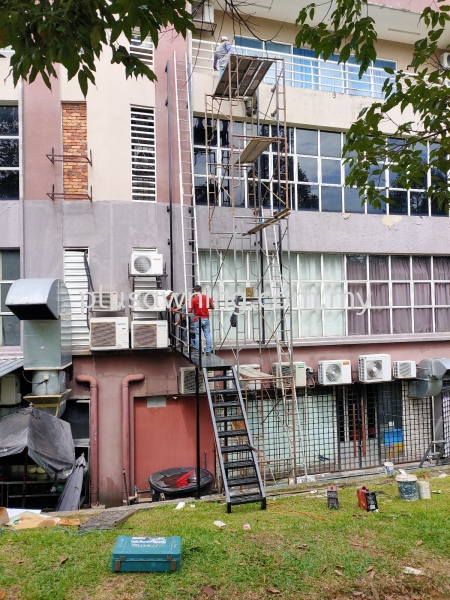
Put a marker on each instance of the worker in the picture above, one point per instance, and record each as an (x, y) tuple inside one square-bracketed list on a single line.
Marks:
[(222, 54), (200, 305)]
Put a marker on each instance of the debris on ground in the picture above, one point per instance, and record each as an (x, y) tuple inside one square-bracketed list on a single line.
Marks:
[(108, 519), (246, 527), (180, 505), (220, 524), (412, 571)]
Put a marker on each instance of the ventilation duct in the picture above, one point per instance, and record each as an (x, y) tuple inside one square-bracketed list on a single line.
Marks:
[(430, 372)]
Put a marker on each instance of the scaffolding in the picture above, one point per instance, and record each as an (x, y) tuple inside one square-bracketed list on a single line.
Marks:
[(259, 309)]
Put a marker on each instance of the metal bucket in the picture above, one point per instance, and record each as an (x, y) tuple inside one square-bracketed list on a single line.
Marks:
[(407, 487), (424, 490)]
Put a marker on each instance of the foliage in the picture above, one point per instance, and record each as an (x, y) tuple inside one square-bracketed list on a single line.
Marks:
[(75, 32), (415, 108)]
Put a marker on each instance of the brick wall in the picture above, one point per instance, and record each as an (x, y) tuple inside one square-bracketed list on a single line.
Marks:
[(74, 139)]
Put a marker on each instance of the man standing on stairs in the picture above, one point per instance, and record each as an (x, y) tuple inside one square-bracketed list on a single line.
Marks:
[(222, 54), (200, 305)]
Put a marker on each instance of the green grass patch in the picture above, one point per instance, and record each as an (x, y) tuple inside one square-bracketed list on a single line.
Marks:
[(286, 553)]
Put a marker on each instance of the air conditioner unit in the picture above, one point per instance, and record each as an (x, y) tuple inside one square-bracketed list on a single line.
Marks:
[(109, 302), (445, 60), (404, 369), (145, 262), (373, 368), (186, 381), (149, 334), (150, 300), (10, 389), (109, 333), (335, 372), (284, 370), (246, 384)]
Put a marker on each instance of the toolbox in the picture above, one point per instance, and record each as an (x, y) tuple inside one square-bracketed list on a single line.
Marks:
[(367, 500), (146, 553)]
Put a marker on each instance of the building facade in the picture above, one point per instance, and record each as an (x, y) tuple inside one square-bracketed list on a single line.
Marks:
[(85, 182)]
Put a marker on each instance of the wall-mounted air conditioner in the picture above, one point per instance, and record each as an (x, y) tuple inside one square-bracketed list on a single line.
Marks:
[(246, 383), (109, 301), (335, 372), (445, 60), (150, 300), (10, 389), (373, 368), (284, 370), (109, 333), (186, 381), (404, 369), (149, 334), (145, 262)]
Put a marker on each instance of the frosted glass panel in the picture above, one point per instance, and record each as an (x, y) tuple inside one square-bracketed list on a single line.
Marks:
[(310, 323), (333, 322)]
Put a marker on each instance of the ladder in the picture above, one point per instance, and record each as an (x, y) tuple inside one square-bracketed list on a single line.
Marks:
[(436, 449), (237, 456), (184, 119)]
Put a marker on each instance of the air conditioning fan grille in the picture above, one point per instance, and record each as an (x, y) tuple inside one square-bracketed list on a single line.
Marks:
[(146, 300), (103, 335), (286, 371), (404, 369), (333, 373), (145, 336), (374, 369), (142, 264)]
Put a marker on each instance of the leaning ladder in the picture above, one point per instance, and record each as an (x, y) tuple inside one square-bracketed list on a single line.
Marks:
[(186, 174)]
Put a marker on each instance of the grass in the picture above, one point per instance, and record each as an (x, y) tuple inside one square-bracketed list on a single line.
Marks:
[(286, 554)]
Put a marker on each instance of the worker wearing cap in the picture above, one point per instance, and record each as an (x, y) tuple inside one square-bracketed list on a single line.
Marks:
[(222, 54)]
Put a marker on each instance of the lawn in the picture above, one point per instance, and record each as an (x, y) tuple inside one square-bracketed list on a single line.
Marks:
[(286, 554)]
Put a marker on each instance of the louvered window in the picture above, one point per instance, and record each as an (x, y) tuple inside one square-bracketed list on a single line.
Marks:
[(143, 159), (76, 280), (142, 49)]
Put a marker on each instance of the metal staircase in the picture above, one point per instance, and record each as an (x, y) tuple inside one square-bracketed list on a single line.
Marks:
[(237, 456), (184, 120)]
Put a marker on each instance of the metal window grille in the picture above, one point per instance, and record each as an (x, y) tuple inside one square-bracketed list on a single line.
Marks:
[(143, 49), (143, 154)]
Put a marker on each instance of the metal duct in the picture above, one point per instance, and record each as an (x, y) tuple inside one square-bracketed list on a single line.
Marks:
[(423, 388), (35, 299), (434, 368)]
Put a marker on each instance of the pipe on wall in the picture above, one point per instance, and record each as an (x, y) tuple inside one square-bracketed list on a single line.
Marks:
[(93, 434), (126, 462)]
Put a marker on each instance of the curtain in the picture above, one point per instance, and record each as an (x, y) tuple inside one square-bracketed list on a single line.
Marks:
[(379, 321), (310, 296), (379, 294), (441, 267), (332, 267), (311, 323), (421, 267), (442, 293), (423, 320), (333, 322), (422, 294), (442, 316), (379, 267), (357, 324), (400, 294), (401, 320), (359, 291), (400, 267), (356, 267), (310, 267)]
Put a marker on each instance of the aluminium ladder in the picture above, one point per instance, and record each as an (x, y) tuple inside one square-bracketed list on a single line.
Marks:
[(237, 456)]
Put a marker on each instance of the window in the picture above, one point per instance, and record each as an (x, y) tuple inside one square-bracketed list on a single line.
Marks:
[(143, 154), (9, 153), (337, 295), (76, 267), (9, 272), (142, 49)]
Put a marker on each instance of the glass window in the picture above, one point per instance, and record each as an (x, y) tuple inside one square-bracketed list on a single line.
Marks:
[(307, 169), (307, 141), (9, 272), (331, 171), (330, 144), (9, 153), (331, 199), (308, 197), (353, 203), (356, 267)]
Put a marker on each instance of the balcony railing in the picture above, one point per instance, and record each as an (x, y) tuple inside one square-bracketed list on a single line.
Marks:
[(304, 71)]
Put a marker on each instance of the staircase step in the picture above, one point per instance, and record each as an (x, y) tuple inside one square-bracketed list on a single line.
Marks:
[(238, 464), (232, 481), (232, 433), (245, 498), (236, 448), (229, 418), (226, 404), (221, 378), (223, 392)]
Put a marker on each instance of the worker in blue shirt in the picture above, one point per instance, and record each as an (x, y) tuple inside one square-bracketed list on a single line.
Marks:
[(221, 55)]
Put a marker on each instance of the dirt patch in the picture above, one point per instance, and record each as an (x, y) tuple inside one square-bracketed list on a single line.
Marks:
[(267, 540)]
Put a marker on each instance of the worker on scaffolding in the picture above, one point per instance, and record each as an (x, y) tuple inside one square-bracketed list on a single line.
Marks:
[(221, 55), (200, 305)]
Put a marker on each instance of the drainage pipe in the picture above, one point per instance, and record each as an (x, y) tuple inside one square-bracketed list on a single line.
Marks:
[(93, 430), (126, 462)]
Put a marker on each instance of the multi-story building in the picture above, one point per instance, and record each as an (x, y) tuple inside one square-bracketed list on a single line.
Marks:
[(87, 182)]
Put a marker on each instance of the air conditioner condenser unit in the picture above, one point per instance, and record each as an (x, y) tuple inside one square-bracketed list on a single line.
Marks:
[(404, 369), (149, 334), (107, 301), (145, 262), (335, 372), (109, 333), (186, 381), (374, 368), (150, 300), (283, 370)]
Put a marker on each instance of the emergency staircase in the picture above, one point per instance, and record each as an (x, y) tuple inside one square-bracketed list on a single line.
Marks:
[(237, 456)]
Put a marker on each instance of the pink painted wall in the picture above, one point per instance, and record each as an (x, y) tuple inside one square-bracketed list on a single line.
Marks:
[(41, 132), (165, 437)]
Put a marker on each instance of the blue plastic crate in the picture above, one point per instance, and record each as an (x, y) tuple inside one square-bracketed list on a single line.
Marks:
[(146, 553), (392, 436)]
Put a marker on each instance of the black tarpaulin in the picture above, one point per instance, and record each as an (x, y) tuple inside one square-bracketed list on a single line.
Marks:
[(47, 438)]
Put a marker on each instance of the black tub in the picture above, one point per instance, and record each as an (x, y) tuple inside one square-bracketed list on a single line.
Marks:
[(164, 482)]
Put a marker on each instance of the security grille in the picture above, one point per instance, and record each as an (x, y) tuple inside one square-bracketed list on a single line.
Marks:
[(142, 49), (143, 160)]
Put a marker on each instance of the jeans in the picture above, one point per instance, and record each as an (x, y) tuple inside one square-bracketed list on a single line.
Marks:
[(205, 327)]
